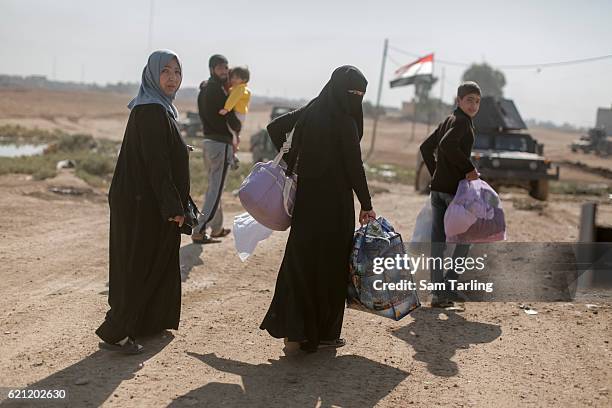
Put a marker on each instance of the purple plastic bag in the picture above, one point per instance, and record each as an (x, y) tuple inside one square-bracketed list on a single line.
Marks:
[(475, 215), (268, 194)]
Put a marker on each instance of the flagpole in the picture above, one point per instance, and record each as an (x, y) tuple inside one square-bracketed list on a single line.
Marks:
[(377, 109), (414, 117), (429, 105), (442, 88)]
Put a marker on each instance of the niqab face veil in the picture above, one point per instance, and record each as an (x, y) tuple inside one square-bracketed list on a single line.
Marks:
[(150, 90), (344, 80), (336, 99), (318, 126)]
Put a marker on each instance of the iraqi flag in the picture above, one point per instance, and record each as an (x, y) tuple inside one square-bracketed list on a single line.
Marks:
[(421, 69)]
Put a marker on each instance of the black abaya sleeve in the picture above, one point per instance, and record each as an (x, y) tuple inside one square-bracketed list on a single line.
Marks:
[(351, 155), (279, 127), (155, 145)]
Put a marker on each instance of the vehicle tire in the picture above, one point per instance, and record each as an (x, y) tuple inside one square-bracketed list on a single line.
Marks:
[(539, 189), (422, 180), (257, 156)]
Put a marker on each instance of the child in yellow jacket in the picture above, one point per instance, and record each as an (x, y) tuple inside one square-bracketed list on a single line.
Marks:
[(238, 99)]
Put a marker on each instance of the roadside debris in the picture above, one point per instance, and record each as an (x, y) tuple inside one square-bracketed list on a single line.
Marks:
[(75, 191), (65, 164), (81, 381), (528, 309), (591, 306)]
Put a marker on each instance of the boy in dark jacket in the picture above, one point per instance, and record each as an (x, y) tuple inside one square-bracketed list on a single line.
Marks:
[(446, 153)]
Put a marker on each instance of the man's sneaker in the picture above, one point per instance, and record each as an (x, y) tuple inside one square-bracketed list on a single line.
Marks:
[(199, 238), (224, 232)]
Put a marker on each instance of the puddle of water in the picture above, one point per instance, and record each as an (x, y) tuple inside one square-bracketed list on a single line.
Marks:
[(17, 150)]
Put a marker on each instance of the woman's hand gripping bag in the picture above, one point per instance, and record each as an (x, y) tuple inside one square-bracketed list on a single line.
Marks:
[(475, 215), (378, 239)]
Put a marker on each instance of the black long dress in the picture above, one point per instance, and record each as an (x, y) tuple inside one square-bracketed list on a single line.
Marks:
[(310, 293), (150, 185)]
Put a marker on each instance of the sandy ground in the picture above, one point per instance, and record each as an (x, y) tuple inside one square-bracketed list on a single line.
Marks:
[(54, 260), (54, 296)]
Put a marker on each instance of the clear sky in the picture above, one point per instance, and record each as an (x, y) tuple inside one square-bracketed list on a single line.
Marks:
[(292, 47)]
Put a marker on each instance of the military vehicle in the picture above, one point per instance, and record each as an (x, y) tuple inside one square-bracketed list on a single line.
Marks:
[(262, 147), (503, 153), (595, 141), (192, 125)]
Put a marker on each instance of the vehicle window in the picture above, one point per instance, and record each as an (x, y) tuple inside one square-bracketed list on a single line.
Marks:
[(482, 142), (511, 143)]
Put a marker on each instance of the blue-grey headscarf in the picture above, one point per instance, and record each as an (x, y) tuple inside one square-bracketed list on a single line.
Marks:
[(150, 90)]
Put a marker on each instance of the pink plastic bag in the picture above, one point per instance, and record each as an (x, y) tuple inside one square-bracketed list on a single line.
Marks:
[(475, 215), (457, 220)]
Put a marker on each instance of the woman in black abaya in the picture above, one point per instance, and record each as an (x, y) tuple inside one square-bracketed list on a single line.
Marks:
[(149, 190), (310, 293)]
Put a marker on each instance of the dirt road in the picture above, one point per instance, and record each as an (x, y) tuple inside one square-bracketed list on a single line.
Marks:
[(54, 269)]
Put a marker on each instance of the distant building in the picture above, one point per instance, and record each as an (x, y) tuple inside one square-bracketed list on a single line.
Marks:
[(604, 119)]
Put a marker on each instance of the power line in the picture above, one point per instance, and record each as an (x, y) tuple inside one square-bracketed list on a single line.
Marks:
[(395, 62), (440, 61), (511, 66), (150, 39), (556, 64), (410, 54)]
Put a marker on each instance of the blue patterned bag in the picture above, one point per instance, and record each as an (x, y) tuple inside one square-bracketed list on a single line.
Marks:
[(378, 239)]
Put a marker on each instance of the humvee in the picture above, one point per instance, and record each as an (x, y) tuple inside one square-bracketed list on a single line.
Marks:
[(596, 141), (262, 147), (503, 154), (192, 125)]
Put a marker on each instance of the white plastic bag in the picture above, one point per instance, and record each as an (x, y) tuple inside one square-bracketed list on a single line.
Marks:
[(247, 234), (421, 236), (422, 227)]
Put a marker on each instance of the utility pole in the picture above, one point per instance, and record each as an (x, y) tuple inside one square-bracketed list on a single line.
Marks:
[(151, 26), (414, 117), (442, 79), (378, 96), (442, 87)]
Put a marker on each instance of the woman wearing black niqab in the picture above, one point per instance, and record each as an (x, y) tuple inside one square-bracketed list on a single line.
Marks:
[(310, 293)]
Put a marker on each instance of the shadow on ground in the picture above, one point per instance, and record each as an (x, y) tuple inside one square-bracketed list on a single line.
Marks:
[(320, 379), (189, 256), (98, 374), (435, 340)]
